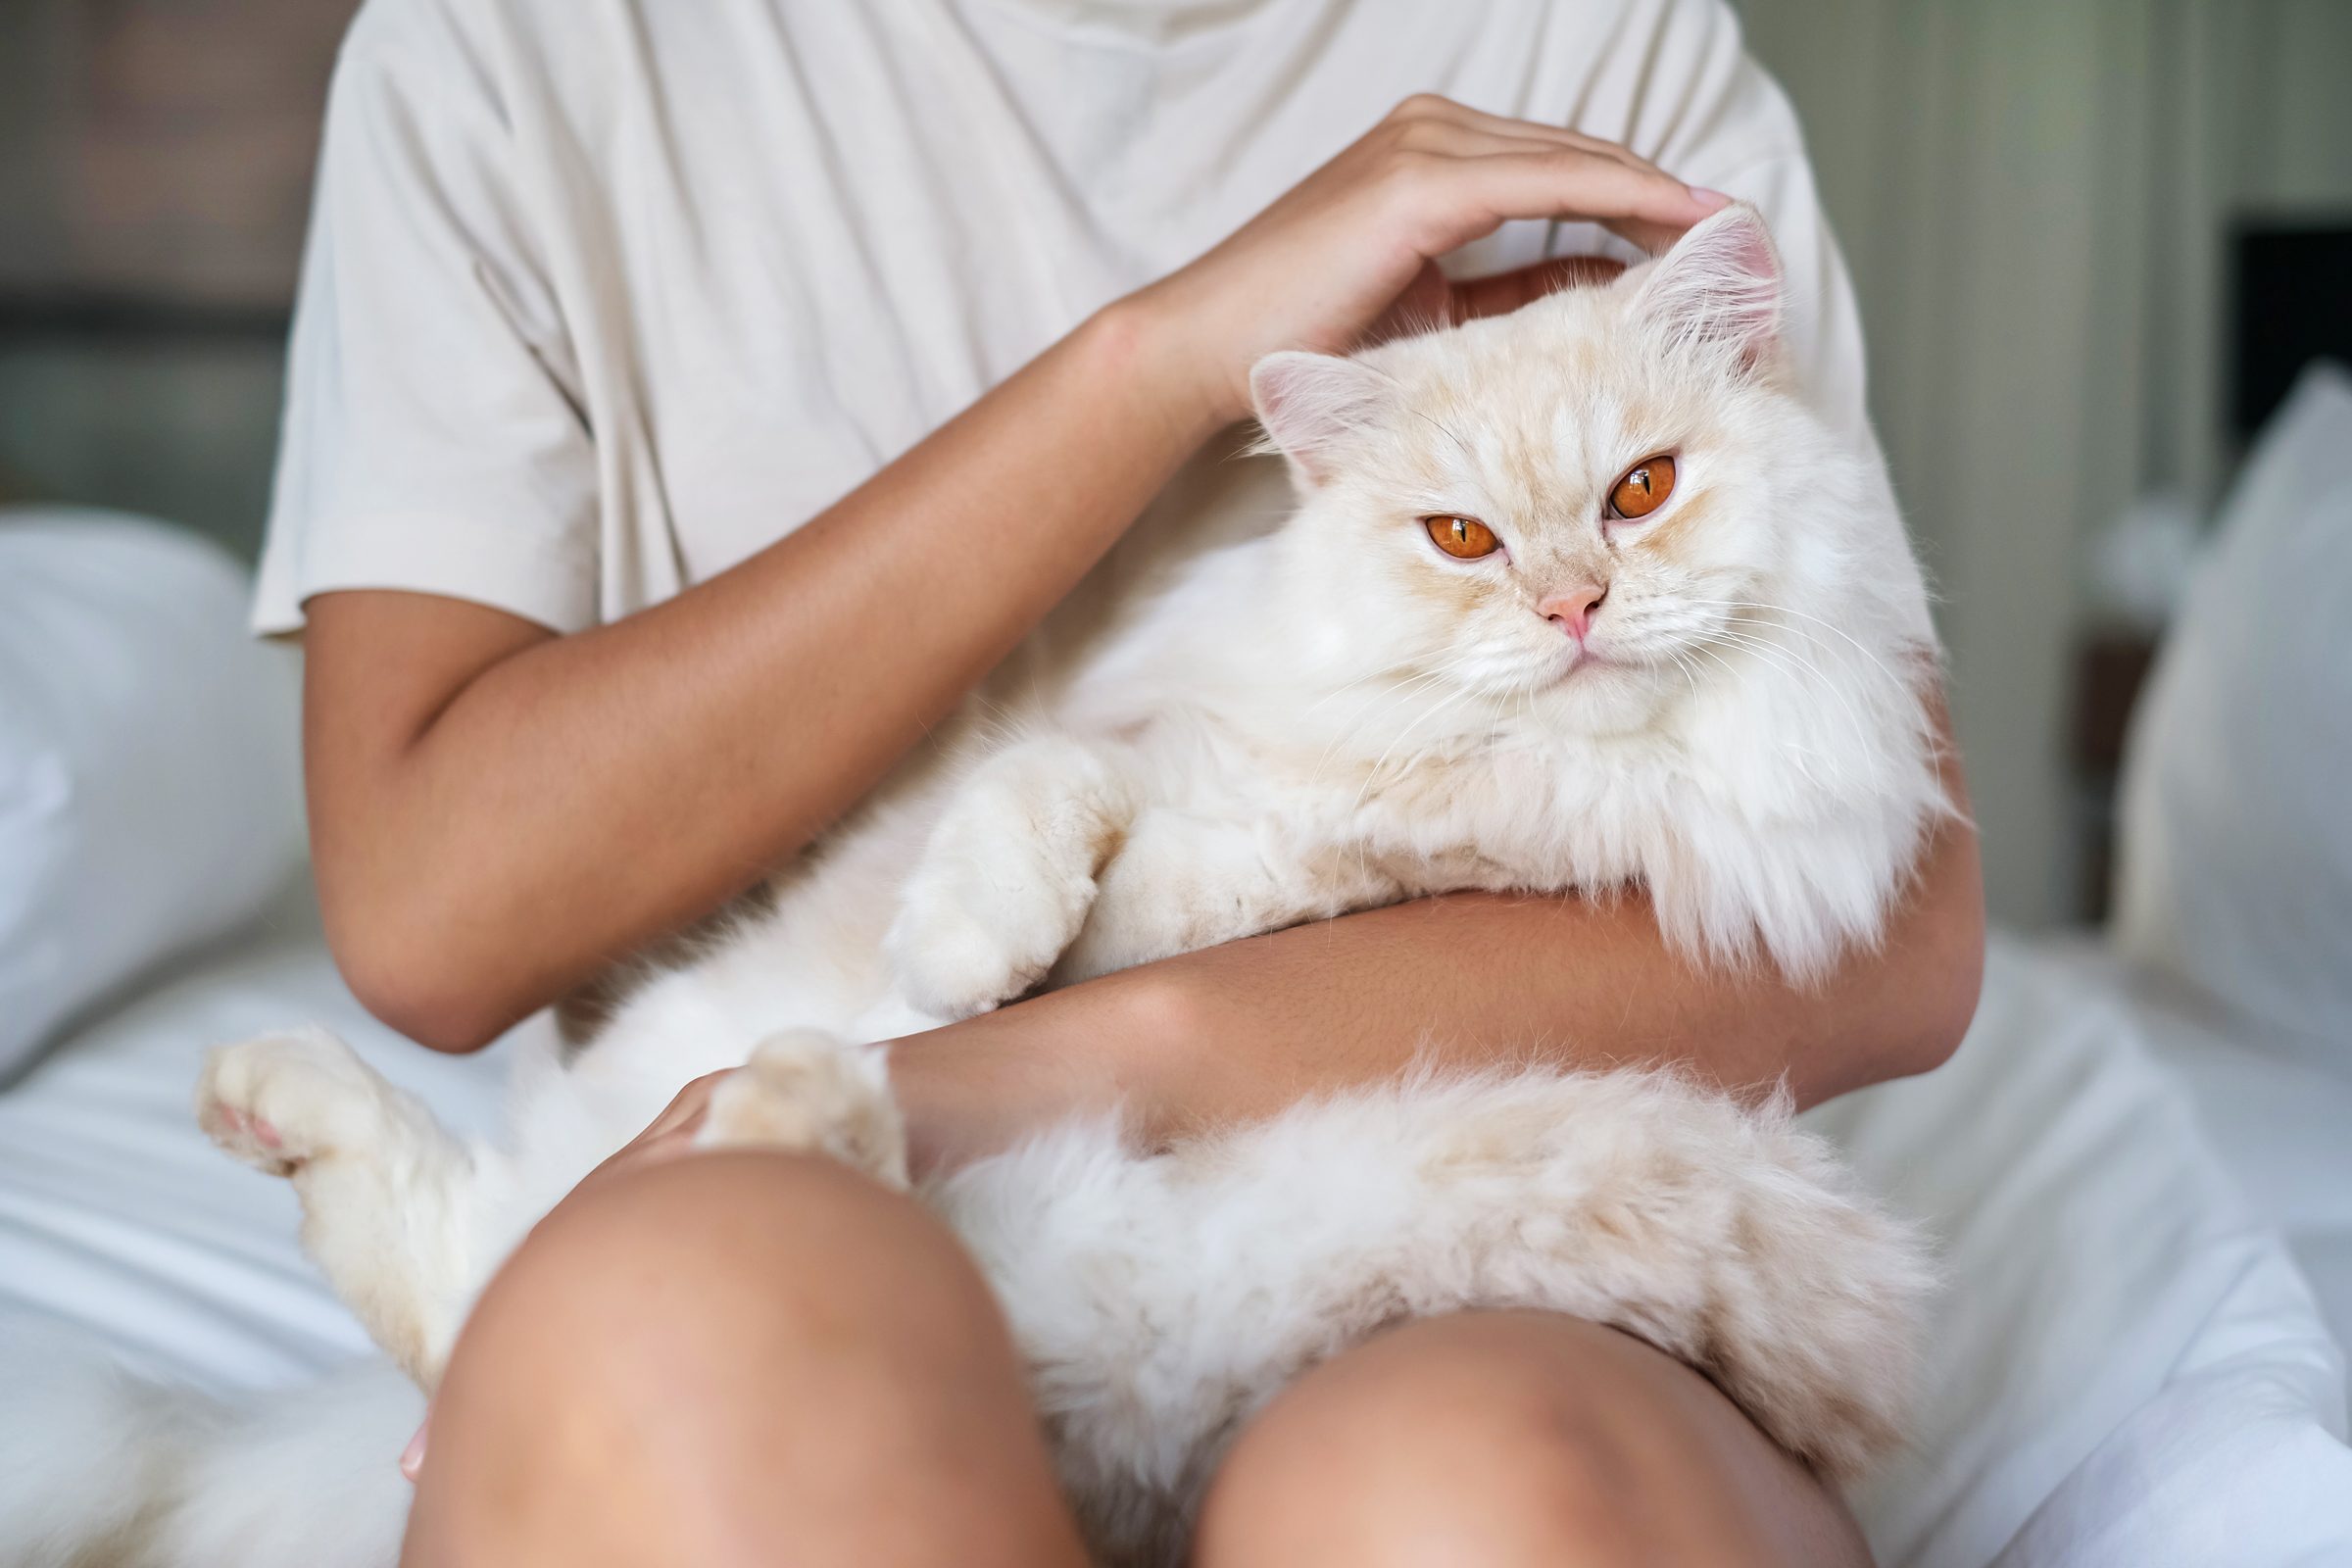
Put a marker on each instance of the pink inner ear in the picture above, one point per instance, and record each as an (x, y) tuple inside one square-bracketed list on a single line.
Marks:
[(1308, 403), (1720, 284)]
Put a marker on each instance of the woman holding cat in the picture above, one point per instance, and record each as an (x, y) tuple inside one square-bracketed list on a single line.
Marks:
[(573, 346)]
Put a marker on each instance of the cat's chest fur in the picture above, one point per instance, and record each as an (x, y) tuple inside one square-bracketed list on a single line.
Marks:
[(1515, 803), (1228, 697)]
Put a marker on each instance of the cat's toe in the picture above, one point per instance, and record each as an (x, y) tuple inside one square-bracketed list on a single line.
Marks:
[(282, 1100), (808, 1092), (950, 964)]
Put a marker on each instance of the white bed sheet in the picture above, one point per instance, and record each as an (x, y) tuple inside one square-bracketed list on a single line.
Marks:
[(2283, 1126), (116, 1213), (2131, 1371), (2129, 1367)]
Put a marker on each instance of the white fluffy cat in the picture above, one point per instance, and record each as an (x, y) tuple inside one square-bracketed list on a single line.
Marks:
[(1584, 598)]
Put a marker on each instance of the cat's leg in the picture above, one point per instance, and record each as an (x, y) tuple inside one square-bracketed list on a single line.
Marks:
[(805, 1090), (385, 1189), (1181, 882), (1008, 874)]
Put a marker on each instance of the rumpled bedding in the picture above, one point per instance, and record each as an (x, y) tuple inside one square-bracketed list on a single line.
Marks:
[(2128, 1366)]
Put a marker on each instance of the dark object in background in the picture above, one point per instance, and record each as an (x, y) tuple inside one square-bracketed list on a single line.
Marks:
[(2290, 303), (2291, 296)]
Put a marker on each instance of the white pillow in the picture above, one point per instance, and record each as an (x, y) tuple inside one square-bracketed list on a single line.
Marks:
[(150, 787), (2237, 834)]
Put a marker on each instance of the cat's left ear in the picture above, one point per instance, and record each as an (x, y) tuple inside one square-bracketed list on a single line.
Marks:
[(1311, 404), (1720, 286)]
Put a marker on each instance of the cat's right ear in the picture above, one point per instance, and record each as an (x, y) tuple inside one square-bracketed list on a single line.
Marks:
[(1718, 286), (1310, 403)]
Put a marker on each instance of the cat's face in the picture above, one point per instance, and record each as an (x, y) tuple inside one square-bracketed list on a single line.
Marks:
[(1587, 497)]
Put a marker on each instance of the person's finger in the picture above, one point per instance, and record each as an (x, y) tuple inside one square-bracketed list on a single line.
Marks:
[(1464, 134), (1485, 135), (411, 1458), (1500, 293), (1651, 210), (684, 1111), (1451, 138), (670, 1132), (1551, 135)]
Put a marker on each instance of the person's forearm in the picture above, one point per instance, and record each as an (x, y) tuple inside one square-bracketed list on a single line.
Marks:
[(497, 812), (581, 796), (1242, 1031)]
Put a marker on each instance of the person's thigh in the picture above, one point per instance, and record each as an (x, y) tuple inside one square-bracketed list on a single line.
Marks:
[(1514, 1438), (737, 1359)]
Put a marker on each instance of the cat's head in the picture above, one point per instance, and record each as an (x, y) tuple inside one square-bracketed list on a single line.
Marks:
[(1591, 497)]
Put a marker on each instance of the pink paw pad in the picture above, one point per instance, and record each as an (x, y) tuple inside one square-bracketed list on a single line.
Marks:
[(236, 1121)]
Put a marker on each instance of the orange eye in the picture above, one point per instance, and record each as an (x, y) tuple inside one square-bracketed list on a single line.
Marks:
[(1464, 538), (1643, 489)]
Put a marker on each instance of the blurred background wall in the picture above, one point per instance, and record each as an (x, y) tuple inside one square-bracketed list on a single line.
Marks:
[(2038, 198), (155, 170)]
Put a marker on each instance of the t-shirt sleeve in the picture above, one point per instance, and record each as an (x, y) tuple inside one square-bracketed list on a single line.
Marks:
[(1723, 124), (429, 442)]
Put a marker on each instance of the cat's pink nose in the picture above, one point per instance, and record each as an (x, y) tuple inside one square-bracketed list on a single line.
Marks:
[(1573, 609)]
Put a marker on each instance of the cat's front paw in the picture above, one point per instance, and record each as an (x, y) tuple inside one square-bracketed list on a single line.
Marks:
[(1006, 876), (805, 1090), (953, 962), (280, 1102)]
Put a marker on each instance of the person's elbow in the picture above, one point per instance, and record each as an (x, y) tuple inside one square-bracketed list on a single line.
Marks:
[(417, 975), (1938, 957)]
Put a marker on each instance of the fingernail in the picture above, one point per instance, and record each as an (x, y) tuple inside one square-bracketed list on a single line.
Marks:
[(411, 1458), (1714, 201)]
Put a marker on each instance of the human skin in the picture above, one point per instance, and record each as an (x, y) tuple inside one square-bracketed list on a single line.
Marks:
[(746, 1358), (474, 777), (469, 772)]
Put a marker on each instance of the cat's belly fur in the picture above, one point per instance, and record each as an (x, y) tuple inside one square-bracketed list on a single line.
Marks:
[(1159, 1299), (815, 959)]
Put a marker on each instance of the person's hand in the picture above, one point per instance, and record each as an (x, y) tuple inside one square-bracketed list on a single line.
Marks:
[(965, 1089), (1350, 251), (666, 1136)]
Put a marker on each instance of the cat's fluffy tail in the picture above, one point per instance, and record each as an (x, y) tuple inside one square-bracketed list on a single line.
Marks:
[(102, 1469)]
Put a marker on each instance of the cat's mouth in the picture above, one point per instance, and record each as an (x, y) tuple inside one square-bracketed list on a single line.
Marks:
[(1585, 660)]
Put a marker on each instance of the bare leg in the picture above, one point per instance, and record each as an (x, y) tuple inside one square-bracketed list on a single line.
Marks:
[(1514, 1438), (737, 1358)]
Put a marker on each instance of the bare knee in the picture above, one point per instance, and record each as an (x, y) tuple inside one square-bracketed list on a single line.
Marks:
[(694, 1268), (1416, 1449), (708, 1343), (1509, 1438)]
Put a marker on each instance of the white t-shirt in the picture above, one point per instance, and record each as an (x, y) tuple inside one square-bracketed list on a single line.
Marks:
[(602, 296)]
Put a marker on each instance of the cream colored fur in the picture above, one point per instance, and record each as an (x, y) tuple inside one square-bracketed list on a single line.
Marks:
[(1290, 725)]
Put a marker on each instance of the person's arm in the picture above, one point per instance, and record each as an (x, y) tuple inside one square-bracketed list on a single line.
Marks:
[(498, 811), (1467, 981)]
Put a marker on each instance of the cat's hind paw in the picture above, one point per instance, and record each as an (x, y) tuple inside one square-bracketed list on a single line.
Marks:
[(385, 1192), (282, 1100), (805, 1090)]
